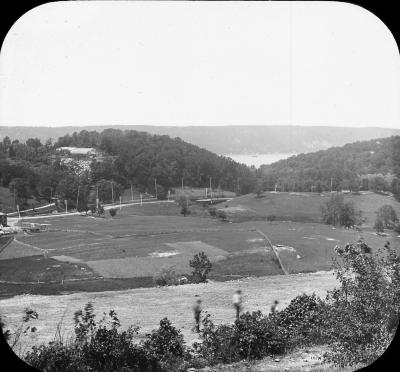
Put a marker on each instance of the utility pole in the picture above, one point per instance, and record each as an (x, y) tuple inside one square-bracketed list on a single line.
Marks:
[(131, 192), (155, 187), (182, 183), (120, 202), (97, 197), (77, 198), (15, 199), (141, 199), (331, 183), (210, 188), (112, 191), (66, 205)]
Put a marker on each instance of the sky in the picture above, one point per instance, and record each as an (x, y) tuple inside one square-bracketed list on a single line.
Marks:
[(199, 63)]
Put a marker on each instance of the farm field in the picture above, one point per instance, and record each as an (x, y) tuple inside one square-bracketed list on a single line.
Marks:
[(147, 306), (127, 250)]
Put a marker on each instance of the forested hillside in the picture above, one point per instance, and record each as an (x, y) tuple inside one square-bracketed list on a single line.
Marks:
[(36, 170), (368, 165), (229, 139)]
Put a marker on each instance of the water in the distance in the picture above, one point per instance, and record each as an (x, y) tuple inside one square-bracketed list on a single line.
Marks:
[(258, 159)]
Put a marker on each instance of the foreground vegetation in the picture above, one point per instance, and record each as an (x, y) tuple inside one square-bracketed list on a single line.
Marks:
[(357, 321)]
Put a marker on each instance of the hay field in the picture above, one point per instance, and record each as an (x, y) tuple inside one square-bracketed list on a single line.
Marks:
[(147, 306)]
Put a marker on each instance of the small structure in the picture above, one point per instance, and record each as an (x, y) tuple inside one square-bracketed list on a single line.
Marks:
[(79, 151)]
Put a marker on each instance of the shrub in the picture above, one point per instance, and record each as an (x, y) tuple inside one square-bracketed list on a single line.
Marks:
[(201, 265), (185, 211), (212, 211), (113, 212), (23, 329), (271, 218), (363, 312), (166, 345), (221, 214), (258, 336), (253, 336), (217, 344), (96, 347), (303, 319), (166, 276)]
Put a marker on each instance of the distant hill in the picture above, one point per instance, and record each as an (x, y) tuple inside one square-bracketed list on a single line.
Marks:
[(225, 140), (362, 165)]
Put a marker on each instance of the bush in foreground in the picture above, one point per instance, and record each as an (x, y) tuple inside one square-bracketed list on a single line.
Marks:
[(363, 313), (357, 321), (253, 336)]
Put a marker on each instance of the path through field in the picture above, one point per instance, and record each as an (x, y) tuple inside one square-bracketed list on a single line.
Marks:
[(147, 306)]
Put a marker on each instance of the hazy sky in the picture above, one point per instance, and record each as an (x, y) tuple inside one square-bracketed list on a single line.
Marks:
[(199, 63)]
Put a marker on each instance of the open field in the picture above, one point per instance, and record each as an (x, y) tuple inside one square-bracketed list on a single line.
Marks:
[(127, 250), (147, 306), (304, 207)]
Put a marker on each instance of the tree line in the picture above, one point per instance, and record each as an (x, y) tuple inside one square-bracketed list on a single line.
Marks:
[(149, 163), (368, 165)]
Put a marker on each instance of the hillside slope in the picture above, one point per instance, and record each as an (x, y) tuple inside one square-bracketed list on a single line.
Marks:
[(241, 139)]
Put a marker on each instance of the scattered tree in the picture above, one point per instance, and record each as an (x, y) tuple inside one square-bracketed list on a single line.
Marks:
[(379, 226), (388, 215), (337, 212), (201, 265)]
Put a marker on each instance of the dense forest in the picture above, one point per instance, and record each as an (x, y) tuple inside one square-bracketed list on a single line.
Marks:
[(230, 139), (36, 170), (369, 165)]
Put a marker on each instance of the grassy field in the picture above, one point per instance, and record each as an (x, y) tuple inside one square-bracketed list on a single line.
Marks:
[(303, 207), (127, 250), (147, 306)]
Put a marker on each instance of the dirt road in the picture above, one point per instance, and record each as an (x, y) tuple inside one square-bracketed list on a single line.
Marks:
[(147, 306)]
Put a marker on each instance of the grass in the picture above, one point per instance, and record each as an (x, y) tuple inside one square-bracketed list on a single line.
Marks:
[(304, 207), (146, 306), (131, 245), (39, 268)]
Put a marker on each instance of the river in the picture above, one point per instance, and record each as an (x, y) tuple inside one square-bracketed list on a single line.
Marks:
[(258, 159)]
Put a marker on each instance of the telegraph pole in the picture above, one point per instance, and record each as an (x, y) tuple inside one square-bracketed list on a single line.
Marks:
[(112, 192), (331, 183), (77, 198), (155, 186), (97, 197), (131, 192), (210, 188)]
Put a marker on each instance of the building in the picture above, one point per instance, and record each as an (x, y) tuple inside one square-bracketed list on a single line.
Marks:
[(79, 151)]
